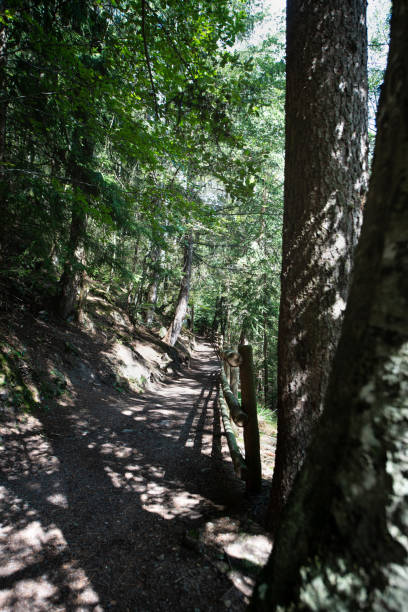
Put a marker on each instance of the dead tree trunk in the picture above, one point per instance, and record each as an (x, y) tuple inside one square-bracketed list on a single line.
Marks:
[(182, 302)]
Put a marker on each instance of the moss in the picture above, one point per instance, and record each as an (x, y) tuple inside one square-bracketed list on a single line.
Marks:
[(20, 395)]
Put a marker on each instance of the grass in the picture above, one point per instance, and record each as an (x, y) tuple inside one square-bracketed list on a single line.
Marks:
[(267, 415), (264, 414)]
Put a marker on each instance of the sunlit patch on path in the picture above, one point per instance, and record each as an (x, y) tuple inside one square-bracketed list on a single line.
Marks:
[(100, 496)]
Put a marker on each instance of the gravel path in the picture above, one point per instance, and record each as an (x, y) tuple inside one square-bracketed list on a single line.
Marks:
[(105, 499)]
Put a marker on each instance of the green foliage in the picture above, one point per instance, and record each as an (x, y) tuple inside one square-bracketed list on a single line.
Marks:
[(143, 121), (18, 393), (106, 104), (267, 415), (238, 258), (146, 120)]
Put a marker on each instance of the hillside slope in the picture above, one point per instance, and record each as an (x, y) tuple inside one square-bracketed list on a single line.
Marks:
[(117, 498), (45, 361)]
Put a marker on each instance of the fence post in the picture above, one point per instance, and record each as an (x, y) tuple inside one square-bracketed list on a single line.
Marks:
[(251, 431), (227, 369), (234, 380)]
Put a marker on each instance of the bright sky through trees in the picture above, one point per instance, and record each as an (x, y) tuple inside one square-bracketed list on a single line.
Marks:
[(376, 10)]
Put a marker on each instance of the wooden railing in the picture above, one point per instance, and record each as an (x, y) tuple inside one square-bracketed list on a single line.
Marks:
[(243, 414)]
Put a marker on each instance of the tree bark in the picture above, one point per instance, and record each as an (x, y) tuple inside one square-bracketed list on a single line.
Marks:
[(130, 296), (152, 290), (265, 346), (112, 267), (72, 283), (140, 291), (325, 186), (266, 365), (243, 336), (342, 542), (215, 323), (225, 319), (73, 280), (251, 429), (182, 301)]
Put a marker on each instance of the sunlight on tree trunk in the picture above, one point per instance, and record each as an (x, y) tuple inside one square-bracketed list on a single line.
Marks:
[(325, 186), (182, 302), (342, 541)]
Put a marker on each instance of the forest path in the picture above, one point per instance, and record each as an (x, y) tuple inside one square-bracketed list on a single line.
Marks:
[(108, 503)]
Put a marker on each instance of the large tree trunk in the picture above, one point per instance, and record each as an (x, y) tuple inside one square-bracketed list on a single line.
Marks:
[(219, 302), (73, 280), (152, 291), (113, 262), (325, 185), (265, 345), (265, 362), (243, 336), (225, 318), (342, 543), (182, 301), (130, 295), (141, 289)]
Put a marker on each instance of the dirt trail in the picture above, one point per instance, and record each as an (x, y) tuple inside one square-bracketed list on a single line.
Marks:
[(124, 504)]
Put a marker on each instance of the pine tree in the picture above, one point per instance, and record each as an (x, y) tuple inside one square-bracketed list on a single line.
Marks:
[(342, 544), (325, 185)]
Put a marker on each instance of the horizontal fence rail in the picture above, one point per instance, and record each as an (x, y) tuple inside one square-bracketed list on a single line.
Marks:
[(239, 417), (243, 414), (237, 459)]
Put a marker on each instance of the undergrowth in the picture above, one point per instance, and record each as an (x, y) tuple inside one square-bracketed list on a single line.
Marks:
[(17, 392)]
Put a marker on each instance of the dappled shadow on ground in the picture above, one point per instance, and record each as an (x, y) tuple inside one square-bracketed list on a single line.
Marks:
[(99, 496)]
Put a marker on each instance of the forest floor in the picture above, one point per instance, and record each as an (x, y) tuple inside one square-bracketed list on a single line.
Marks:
[(116, 499)]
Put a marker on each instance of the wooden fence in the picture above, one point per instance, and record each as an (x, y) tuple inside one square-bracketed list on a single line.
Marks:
[(243, 414)]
